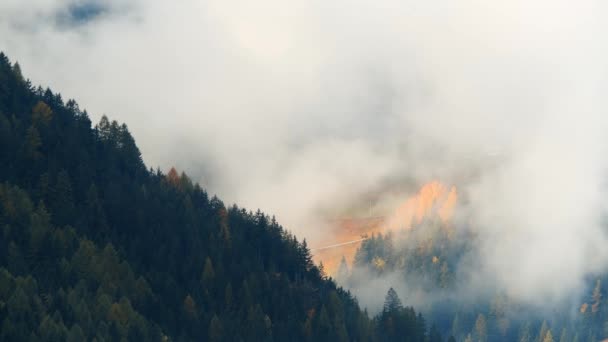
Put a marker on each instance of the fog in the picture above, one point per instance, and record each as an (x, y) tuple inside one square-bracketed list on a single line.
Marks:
[(300, 108)]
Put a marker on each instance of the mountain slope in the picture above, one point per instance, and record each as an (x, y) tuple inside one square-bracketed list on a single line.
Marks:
[(95, 246)]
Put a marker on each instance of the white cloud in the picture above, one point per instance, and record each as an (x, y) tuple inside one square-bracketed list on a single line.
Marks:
[(292, 106)]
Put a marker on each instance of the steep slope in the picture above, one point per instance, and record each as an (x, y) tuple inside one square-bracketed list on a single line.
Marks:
[(96, 247)]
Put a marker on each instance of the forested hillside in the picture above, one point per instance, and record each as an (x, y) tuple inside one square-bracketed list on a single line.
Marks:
[(435, 260), (97, 247)]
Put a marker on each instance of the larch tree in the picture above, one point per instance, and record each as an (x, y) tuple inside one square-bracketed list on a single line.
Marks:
[(173, 177), (543, 331), (548, 336), (41, 113)]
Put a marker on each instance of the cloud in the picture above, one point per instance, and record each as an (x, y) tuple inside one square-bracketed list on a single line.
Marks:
[(301, 106)]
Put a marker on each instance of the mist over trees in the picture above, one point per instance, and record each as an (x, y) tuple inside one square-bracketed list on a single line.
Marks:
[(434, 264), (97, 247), (339, 101)]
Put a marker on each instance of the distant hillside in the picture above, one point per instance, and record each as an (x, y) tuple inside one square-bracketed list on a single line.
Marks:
[(436, 260)]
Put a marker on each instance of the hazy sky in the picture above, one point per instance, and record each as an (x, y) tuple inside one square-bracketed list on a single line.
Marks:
[(299, 106)]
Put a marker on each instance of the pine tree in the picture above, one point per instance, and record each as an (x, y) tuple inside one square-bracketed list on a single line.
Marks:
[(130, 153), (5, 136), (62, 200), (392, 303), (76, 334), (444, 276), (208, 273), (96, 217), (456, 328), (323, 325), (524, 334), (563, 336), (321, 269), (103, 128), (33, 143), (224, 227), (228, 297), (343, 273), (481, 329), (434, 335), (596, 296), (17, 72), (216, 330)]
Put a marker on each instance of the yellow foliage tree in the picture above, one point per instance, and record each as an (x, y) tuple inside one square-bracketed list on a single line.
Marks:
[(42, 113), (548, 337)]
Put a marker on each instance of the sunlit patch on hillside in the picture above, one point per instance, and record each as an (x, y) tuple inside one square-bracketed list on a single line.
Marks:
[(434, 200)]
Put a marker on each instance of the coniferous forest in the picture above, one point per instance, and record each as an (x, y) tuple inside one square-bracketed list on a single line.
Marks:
[(365, 171), (97, 247), (431, 259)]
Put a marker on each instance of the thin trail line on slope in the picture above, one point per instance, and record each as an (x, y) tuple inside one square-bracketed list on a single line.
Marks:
[(339, 244)]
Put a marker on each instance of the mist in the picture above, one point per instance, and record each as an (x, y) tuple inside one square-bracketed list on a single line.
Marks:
[(301, 108)]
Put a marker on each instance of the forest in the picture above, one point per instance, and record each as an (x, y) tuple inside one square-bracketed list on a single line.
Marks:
[(96, 246), (437, 261)]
